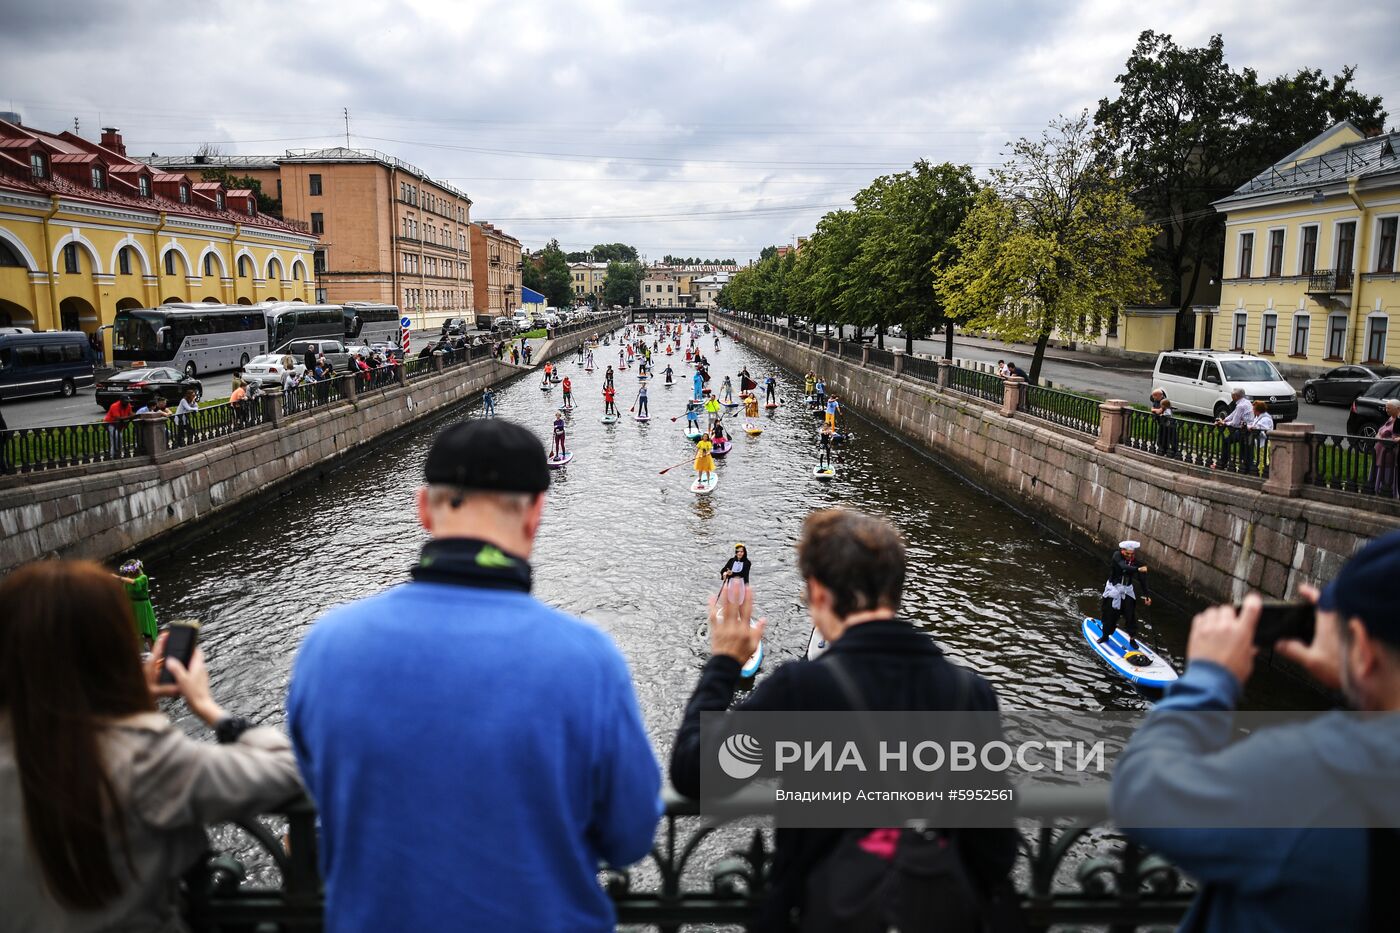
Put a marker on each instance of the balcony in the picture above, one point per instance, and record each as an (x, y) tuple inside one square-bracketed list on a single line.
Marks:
[(1326, 282)]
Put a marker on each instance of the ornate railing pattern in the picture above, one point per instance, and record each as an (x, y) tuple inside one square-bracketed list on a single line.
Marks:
[(881, 358), (380, 377), (205, 424), (1198, 443), (916, 367), (979, 384), (1354, 464), (715, 870), (1078, 412), (27, 450), (310, 395), (417, 367)]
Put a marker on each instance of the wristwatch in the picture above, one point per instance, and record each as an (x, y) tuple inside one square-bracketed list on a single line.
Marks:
[(228, 729)]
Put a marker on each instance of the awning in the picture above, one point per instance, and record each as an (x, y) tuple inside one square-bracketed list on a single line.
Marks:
[(530, 297)]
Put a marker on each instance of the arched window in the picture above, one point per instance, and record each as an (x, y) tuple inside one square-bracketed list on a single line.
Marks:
[(243, 267), (208, 263), (274, 269), (124, 260), (170, 262)]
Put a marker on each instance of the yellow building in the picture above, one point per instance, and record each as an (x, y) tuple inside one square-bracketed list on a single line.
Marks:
[(85, 231), (659, 288), (1310, 256), (586, 278)]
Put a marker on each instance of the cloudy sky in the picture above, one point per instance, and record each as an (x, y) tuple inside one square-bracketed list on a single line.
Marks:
[(704, 128)]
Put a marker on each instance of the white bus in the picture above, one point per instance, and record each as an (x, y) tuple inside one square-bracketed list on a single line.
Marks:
[(367, 322), (194, 337), (293, 320)]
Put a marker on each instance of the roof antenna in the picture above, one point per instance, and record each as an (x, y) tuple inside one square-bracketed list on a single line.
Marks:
[(75, 126), (346, 112)]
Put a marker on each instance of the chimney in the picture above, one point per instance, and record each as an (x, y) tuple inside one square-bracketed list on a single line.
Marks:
[(112, 139)]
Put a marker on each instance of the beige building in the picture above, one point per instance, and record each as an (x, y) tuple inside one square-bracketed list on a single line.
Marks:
[(587, 279), (496, 269), (388, 232), (660, 289)]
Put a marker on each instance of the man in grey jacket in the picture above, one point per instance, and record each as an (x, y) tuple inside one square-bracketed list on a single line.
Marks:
[(1329, 786)]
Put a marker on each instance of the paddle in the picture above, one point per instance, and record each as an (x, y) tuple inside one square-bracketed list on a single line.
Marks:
[(635, 401), (674, 465)]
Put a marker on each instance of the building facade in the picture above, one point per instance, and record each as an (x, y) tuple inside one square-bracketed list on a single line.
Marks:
[(388, 232), (660, 289), (587, 279), (86, 231), (1310, 257), (496, 270)]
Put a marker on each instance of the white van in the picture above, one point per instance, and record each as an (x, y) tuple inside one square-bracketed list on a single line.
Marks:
[(1201, 382)]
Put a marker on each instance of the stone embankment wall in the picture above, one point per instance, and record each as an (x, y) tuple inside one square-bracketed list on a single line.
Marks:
[(102, 510), (1215, 536)]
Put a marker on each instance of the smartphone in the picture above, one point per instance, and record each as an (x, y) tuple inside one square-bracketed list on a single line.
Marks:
[(1282, 619), (180, 646)]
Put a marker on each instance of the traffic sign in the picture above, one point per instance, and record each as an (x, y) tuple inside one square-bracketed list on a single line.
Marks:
[(406, 322)]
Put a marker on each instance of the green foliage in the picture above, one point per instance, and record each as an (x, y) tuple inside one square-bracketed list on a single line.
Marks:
[(622, 284), (556, 281), (266, 205), (1054, 244), (605, 252)]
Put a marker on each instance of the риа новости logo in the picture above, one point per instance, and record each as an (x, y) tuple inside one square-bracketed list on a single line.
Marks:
[(741, 756)]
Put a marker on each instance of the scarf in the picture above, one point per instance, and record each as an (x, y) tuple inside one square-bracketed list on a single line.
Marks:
[(471, 562)]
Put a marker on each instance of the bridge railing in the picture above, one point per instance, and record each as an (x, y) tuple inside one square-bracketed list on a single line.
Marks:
[(29, 450), (713, 870)]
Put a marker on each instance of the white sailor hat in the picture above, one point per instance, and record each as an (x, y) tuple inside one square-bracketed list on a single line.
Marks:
[(1129, 545)]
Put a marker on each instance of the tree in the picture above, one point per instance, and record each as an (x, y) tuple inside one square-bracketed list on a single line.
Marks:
[(1285, 113), (266, 205), (554, 278), (531, 275), (622, 285), (607, 252), (1054, 245)]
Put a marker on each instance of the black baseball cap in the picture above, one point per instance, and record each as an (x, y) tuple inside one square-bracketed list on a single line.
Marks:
[(489, 454), (1363, 588)]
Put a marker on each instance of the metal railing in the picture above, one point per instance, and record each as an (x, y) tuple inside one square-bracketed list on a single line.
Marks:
[(882, 358), (310, 395), (979, 384), (205, 424), (1366, 465), (849, 349), (916, 367), (380, 377), (1199, 443), (417, 367), (1078, 412), (27, 450), (1329, 281), (1066, 875)]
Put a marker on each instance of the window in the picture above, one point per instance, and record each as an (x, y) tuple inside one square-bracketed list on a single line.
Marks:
[(318, 262), (1211, 373), (124, 260), (1307, 259), (1346, 245), (1246, 254), (314, 181), (143, 184), (320, 296), (251, 205), (184, 194), (208, 263), (1241, 321), (38, 167), (1275, 253), (1376, 326), (648, 288), (243, 266), (1385, 259), (1336, 336), (97, 177), (1268, 333), (318, 223), (219, 200), (70, 259), (170, 262), (1301, 325)]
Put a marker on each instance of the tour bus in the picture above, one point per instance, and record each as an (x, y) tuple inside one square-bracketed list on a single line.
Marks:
[(58, 361), (367, 322), (195, 337), (293, 320)]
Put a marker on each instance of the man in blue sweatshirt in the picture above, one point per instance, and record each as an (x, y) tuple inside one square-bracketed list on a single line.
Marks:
[(1331, 785), (474, 754)]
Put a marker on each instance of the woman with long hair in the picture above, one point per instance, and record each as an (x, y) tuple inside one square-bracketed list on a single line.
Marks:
[(103, 800)]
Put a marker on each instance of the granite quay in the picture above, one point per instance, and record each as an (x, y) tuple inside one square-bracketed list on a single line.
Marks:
[(1228, 517), (96, 491)]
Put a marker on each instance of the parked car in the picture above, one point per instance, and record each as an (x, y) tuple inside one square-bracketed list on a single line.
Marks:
[(333, 350), (1368, 409), (894, 330), (505, 327), (142, 386), (57, 361), (454, 327), (1342, 385), (1201, 382), (266, 369)]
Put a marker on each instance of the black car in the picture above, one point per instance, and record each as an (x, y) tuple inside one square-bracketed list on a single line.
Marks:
[(454, 327), (1342, 385), (142, 386), (1368, 411)]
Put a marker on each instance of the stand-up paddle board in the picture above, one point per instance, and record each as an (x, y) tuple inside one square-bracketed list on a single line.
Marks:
[(770, 405), (610, 419), (642, 417), (1140, 665), (816, 645), (705, 487), (752, 665), (722, 449), (752, 430), (556, 462), (824, 472), (693, 436), (546, 387)]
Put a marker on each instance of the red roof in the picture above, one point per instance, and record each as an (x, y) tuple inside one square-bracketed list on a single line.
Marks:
[(128, 169), (170, 176), (207, 185), (71, 157)]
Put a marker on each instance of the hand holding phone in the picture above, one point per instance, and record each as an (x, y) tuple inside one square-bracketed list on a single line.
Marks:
[(182, 634), (1281, 620)]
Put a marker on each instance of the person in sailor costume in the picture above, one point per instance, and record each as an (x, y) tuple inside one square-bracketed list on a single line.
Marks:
[(1127, 580)]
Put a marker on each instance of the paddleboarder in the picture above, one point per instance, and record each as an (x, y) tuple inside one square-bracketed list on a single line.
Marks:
[(642, 402), (820, 392), (692, 418), (810, 382), (1127, 580), (568, 388), (704, 463), (727, 390), (669, 373), (833, 408), (750, 406), (737, 566), (609, 397), (770, 388), (608, 377), (138, 590), (712, 409), (488, 399), (699, 383), (558, 452), (824, 460)]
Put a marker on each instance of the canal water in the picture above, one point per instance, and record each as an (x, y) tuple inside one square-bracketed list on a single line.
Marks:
[(636, 553)]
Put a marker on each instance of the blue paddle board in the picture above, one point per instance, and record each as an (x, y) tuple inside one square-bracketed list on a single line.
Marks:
[(1156, 673)]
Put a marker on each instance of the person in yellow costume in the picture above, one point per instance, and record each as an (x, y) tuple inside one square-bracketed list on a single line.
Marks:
[(704, 463), (751, 406), (712, 409)]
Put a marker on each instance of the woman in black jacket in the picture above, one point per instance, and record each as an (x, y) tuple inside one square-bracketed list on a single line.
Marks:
[(738, 565)]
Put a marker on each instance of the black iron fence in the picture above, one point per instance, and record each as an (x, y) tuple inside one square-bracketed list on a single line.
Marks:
[(979, 384), (310, 395), (848, 349), (1077, 412), (1364, 465), (881, 358), (916, 367), (417, 367), (1199, 443), (26, 450), (205, 424), (1067, 874), (380, 377)]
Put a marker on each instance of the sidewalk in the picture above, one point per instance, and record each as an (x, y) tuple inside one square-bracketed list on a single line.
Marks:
[(1059, 355)]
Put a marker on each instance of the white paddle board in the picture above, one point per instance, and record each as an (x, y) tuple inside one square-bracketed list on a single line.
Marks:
[(821, 472), (609, 419), (752, 665), (1150, 671), (816, 645), (641, 417), (705, 487), (556, 462)]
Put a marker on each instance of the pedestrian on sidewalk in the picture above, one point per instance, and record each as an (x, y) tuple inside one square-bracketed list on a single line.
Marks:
[(1233, 427), (1168, 444), (118, 416)]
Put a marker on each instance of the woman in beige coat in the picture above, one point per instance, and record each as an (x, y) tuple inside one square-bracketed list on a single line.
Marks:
[(103, 801)]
